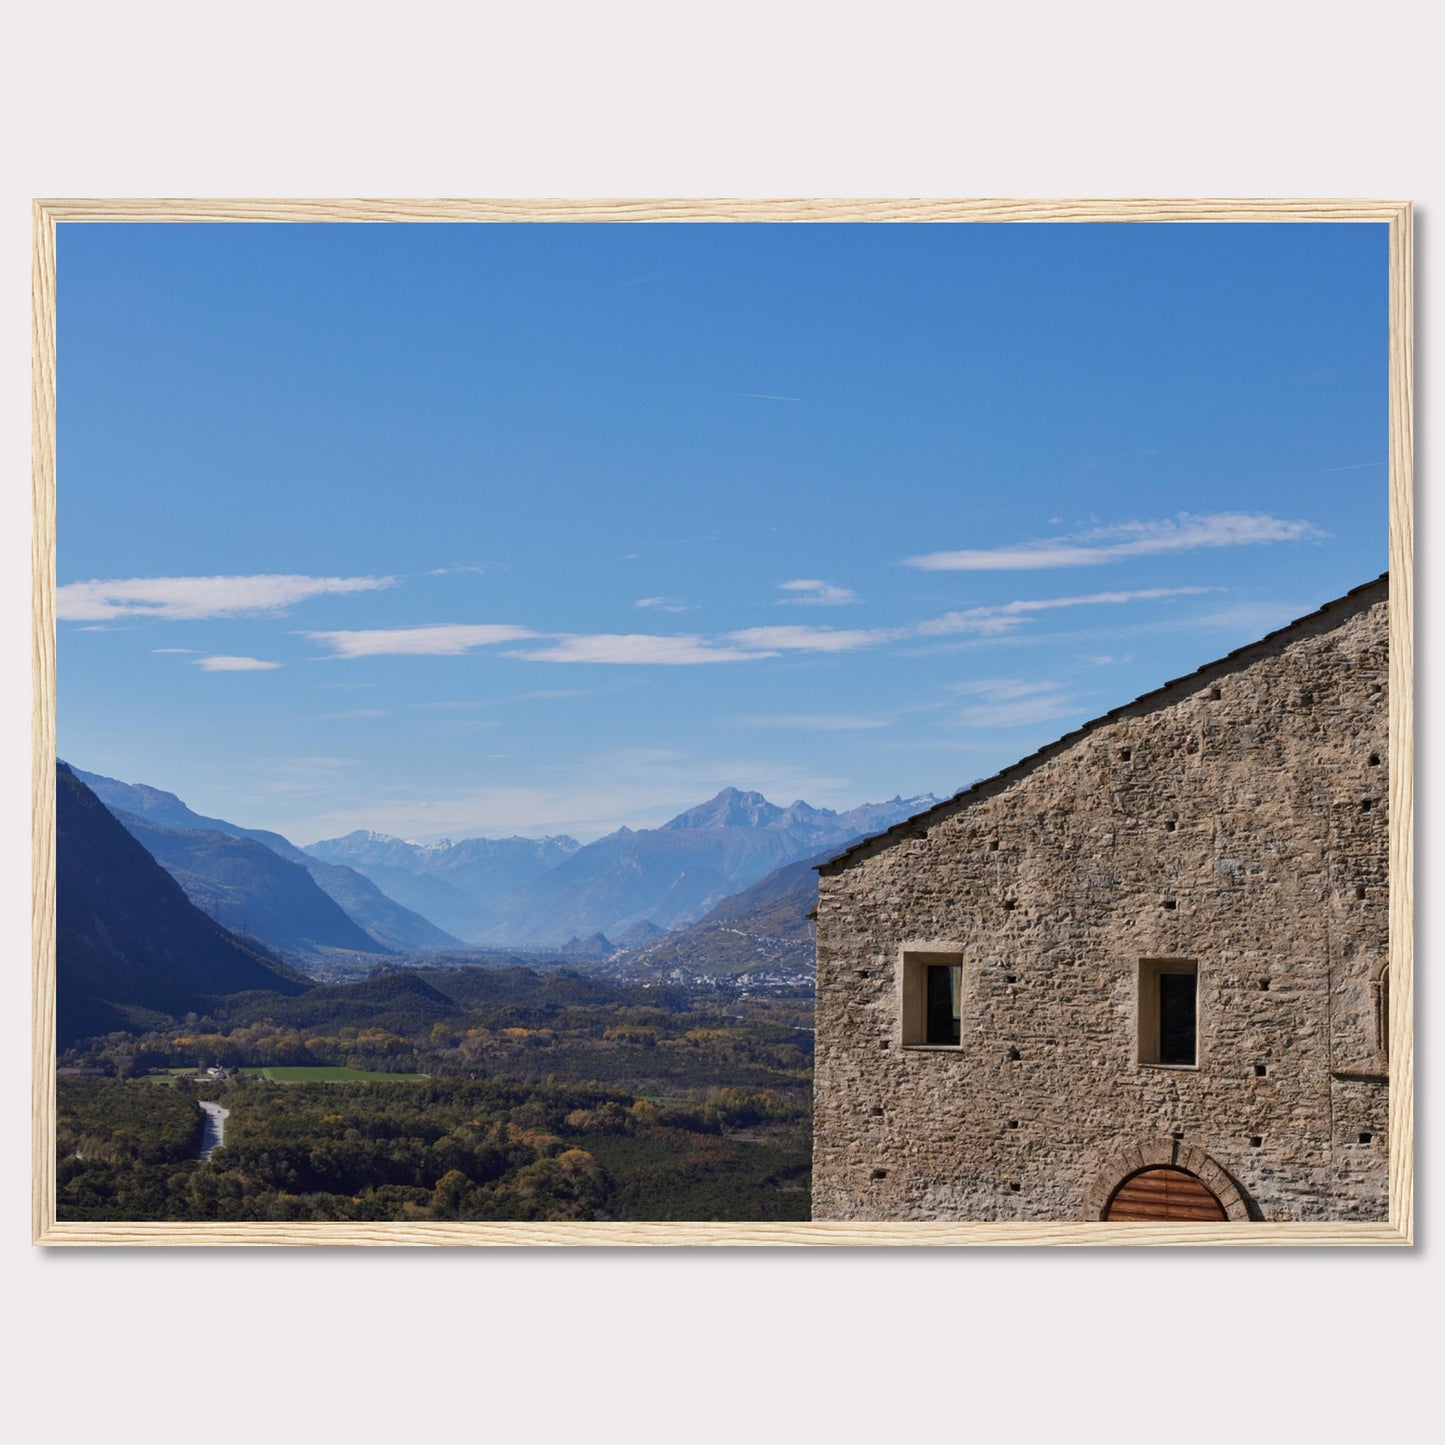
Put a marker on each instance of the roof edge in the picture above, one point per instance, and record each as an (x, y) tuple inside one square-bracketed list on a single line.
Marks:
[(1357, 598)]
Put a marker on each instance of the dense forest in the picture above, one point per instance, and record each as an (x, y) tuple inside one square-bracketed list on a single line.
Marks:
[(545, 1095)]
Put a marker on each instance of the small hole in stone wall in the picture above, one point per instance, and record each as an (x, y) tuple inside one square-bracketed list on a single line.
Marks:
[(865, 973), (1169, 904), (1360, 891), (1170, 825), (1010, 904), (1125, 754), (1010, 978), (1178, 1133), (1214, 694), (876, 1111), (1260, 1071), (879, 1174), (993, 846), (1256, 1141), (1306, 698), (1264, 985), (1014, 1055), (1014, 1188), (1366, 804), (1013, 1123), (1366, 1138), (1374, 760)]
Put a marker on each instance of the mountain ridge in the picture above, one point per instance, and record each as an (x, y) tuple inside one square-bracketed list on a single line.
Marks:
[(128, 942), (389, 924)]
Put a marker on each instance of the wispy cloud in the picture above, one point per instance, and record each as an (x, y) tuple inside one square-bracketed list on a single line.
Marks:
[(1007, 702), (1256, 618), (989, 621), (636, 648), (662, 604), (446, 639), (810, 592), (1182, 533), (157, 649), (479, 569), (585, 796), (542, 695), (810, 639), (747, 645), (817, 722), (235, 664), (1005, 615), (190, 598)]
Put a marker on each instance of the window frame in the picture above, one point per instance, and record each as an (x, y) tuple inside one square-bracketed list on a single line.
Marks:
[(914, 961), (1147, 1022)]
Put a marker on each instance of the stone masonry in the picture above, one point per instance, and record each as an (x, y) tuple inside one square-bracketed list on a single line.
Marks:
[(1235, 819)]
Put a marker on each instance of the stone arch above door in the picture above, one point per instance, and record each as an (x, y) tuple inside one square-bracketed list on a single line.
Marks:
[(1138, 1155)]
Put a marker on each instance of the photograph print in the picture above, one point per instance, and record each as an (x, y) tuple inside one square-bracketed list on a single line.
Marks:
[(837, 731)]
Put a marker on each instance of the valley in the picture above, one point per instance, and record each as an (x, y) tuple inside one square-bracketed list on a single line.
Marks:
[(621, 1030)]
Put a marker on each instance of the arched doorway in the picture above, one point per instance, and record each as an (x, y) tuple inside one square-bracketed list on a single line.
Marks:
[(1163, 1192)]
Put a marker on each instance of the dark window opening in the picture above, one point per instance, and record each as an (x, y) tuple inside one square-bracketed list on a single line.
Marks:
[(1177, 1018), (942, 1002)]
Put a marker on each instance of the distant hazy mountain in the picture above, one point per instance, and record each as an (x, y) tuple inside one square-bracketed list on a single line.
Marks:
[(764, 929), (389, 924), (129, 943), (247, 887), (457, 885), (674, 874)]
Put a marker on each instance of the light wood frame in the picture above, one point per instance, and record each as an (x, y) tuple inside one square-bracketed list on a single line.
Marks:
[(1398, 1229)]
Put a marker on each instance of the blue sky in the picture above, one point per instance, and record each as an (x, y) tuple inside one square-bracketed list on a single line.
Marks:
[(538, 529)]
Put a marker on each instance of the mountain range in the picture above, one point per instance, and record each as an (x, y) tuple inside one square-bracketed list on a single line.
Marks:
[(722, 889), (230, 872), (545, 893), (460, 886), (129, 943)]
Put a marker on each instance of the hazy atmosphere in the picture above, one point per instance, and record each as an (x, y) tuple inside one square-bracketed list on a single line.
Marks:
[(439, 530)]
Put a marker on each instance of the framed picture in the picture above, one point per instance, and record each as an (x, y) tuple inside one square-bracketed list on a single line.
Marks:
[(723, 722)]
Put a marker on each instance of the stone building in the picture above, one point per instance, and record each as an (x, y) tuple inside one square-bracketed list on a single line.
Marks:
[(1141, 973)]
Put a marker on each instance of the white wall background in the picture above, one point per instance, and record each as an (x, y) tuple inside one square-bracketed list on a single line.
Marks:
[(634, 99)]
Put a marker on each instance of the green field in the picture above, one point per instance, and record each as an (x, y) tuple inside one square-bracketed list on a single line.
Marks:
[(328, 1074)]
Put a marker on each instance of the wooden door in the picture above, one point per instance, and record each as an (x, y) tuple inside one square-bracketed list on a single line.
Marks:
[(1164, 1193)]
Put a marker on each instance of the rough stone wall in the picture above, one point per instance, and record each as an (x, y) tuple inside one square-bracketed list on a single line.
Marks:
[(1252, 797)]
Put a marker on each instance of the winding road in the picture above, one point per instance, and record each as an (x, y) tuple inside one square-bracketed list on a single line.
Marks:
[(214, 1134)]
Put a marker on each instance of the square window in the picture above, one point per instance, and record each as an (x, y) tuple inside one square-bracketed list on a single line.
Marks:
[(932, 1002), (1168, 1030)]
